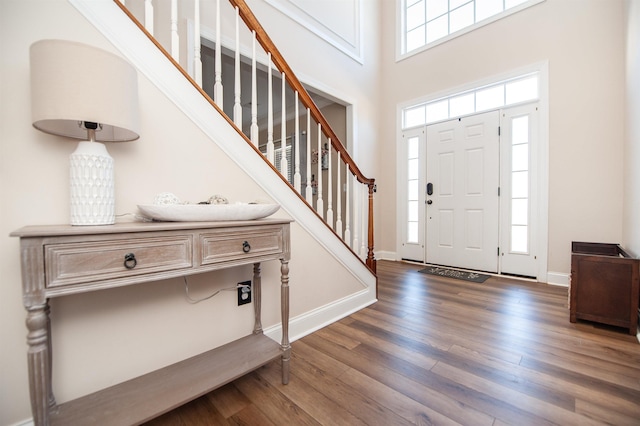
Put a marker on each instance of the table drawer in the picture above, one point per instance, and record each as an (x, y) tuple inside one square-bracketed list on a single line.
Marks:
[(242, 244), (74, 263)]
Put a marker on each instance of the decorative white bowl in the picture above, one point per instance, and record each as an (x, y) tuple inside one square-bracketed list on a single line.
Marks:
[(207, 212)]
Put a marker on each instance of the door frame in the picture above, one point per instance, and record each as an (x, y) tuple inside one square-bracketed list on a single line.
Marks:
[(542, 157)]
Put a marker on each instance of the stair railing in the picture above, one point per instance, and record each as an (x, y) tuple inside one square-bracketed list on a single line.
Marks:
[(327, 171)]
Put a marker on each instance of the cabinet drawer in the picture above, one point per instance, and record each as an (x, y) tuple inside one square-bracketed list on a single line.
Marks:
[(241, 244), (75, 263)]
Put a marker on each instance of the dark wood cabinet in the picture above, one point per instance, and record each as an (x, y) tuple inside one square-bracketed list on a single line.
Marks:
[(604, 285)]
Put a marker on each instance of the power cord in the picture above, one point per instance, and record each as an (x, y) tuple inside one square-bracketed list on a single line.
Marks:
[(194, 301)]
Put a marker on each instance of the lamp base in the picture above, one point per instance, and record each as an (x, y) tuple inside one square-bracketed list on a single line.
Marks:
[(92, 187)]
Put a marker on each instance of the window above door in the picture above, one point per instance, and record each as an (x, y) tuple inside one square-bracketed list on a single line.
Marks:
[(427, 23), (516, 90)]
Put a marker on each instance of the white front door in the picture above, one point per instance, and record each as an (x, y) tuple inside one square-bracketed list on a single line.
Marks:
[(462, 192)]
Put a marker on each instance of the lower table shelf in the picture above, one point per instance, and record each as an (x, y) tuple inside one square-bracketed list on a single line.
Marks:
[(61, 260), (148, 396)]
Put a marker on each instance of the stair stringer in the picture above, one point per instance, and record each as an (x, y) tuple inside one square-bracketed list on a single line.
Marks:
[(136, 47)]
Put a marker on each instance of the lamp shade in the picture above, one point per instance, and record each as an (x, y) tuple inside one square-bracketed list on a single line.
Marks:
[(72, 83)]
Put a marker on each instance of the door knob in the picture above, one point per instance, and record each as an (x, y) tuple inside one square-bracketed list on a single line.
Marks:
[(429, 202)]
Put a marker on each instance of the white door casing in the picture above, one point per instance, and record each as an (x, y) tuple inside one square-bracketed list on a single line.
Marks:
[(462, 213)]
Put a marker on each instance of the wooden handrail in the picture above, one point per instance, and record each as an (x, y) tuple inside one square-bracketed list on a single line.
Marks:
[(267, 44), (265, 41)]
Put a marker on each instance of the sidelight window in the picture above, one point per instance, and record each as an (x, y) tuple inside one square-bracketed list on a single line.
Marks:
[(520, 184), (413, 191)]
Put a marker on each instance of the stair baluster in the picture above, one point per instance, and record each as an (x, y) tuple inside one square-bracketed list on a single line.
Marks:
[(237, 106), (197, 49), (284, 165), (309, 188), (296, 169), (254, 93), (270, 148)]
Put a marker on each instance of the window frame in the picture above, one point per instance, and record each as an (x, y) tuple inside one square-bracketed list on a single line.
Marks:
[(504, 83), (401, 32)]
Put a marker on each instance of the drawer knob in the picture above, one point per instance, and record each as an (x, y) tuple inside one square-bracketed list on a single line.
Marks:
[(130, 261), (246, 247)]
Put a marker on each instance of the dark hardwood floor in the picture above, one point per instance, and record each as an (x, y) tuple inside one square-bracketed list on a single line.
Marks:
[(441, 351)]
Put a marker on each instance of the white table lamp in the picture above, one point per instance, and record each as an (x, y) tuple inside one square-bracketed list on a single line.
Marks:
[(82, 92)]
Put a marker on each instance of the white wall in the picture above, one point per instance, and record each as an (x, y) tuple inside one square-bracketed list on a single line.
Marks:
[(106, 337), (631, 230), (583, 42)]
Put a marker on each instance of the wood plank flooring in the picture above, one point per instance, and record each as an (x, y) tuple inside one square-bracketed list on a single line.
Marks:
[(439, 351)]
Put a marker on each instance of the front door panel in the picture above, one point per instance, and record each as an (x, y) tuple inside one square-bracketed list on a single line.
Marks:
[(462, 213)]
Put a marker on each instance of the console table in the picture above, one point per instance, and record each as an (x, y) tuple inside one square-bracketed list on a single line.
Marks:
[(61, 260)]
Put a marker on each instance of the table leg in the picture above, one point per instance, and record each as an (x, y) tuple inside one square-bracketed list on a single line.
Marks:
[(52, 399), (284, 306), (39, 363), (257, 298)]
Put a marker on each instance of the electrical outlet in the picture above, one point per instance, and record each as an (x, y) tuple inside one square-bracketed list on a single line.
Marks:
[(244, 293)]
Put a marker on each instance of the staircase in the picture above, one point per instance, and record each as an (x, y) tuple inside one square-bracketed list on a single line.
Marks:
[(311, 175), (327, 177)]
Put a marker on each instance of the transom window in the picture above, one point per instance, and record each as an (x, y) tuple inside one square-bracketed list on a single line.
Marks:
[(429, 22), (505, 93)]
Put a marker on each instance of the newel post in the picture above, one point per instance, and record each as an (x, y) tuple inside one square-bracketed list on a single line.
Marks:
[(371, 260)]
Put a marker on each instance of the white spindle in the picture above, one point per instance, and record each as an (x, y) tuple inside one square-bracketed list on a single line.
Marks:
[(309, 189), (284, 163), (175, 39), (217, 85), (270, 156), (148, 16), (237, 106), (296, 168), (356, 215), (319, 203), (254, 95), (338, 228), (347, 223), (329, 186), (197, 54)]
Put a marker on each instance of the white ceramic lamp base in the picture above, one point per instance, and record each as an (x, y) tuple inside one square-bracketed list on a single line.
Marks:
[(92, 187)]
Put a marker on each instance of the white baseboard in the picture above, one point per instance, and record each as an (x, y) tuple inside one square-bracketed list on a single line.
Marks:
[(386, 255), (318, 318), (558, 278)]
